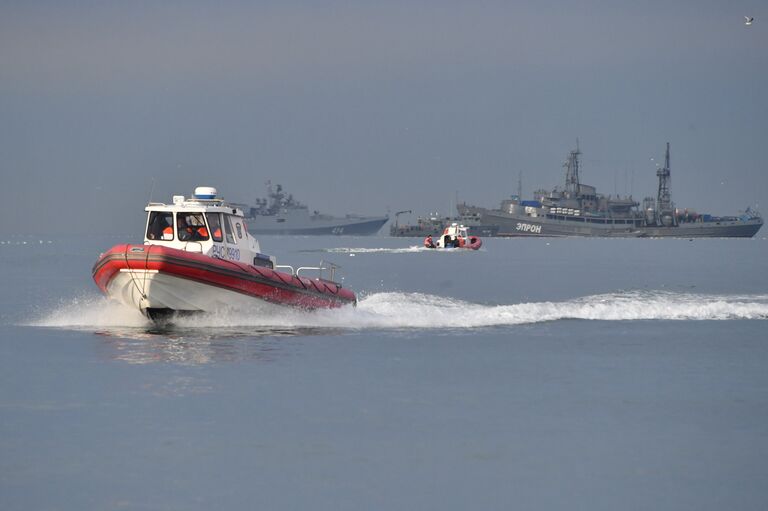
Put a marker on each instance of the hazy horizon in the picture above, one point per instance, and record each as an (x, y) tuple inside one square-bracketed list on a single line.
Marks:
[(371, 108)]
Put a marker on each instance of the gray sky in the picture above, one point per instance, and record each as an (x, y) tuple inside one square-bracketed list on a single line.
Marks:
[(364, 106)]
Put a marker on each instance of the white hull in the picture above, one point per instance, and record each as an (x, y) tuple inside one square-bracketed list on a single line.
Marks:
[(150, 289)]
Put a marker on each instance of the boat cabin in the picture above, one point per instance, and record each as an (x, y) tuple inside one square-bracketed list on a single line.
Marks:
[(205, 224), (454, 235)]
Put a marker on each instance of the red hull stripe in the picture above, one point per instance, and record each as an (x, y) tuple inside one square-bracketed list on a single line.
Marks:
[(250, 280)]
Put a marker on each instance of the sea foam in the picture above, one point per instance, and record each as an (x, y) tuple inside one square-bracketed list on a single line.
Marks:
[(393, 310)]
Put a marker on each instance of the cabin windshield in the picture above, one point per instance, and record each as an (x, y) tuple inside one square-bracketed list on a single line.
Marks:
[(160, 225), (214, 222), (191, 227), (228, 230)]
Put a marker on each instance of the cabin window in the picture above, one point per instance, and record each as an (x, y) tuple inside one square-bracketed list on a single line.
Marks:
[(239, 230), (214, 222), (191, 227), (160, 225), (228, 230)]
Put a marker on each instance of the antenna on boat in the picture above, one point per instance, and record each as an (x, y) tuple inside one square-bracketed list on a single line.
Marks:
[(151, 190)]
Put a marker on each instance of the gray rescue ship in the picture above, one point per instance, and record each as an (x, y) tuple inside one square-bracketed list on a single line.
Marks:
[(579, 210), (280, 213)]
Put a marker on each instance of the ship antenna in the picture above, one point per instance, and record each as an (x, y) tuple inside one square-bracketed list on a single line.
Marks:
[(456, 203), (572, 171), (664, 196), (151, 190)]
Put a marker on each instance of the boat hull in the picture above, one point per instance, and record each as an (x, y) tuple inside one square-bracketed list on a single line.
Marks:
[(474, 244), (157, 278), (316, 226)]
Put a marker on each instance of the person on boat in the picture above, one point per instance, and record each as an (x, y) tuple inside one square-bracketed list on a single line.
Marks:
[(160, 226), (214, 226), (192, 227), (185, 231), (428, 241)]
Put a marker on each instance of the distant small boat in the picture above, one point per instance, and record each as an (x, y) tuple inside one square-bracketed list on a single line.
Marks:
[(454, 236), (198, 256)]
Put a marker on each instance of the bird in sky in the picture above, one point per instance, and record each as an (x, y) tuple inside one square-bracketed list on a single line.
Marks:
[(748, 20)]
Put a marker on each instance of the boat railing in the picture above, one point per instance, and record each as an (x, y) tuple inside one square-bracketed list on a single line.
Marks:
[(324, 266), (288, 266)]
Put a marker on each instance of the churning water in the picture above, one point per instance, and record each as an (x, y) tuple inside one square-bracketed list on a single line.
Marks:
[(398, 310)]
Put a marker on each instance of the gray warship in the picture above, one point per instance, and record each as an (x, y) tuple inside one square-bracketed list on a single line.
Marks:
[(280, 213), (579, 210)]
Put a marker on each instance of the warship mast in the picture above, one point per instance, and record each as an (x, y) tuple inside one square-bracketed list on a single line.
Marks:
[(572, 173), (664, 196)]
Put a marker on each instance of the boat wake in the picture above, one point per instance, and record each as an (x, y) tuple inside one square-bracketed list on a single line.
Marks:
[(404, 311)]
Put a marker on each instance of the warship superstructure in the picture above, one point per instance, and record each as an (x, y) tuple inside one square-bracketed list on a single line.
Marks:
[(280, 213), (578, 210)]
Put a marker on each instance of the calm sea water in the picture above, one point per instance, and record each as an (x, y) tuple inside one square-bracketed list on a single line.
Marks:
[(533, 374)]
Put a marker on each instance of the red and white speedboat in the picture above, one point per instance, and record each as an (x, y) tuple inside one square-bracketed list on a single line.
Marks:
[(197, 255), (454, 236)]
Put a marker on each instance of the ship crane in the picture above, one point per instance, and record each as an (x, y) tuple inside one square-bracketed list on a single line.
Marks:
[(397, 215)]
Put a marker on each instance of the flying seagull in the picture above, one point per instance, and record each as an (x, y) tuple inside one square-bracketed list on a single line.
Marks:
[(748, 20)]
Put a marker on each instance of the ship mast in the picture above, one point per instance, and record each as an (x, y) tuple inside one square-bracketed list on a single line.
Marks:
[(572, 172), (664, 196)]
